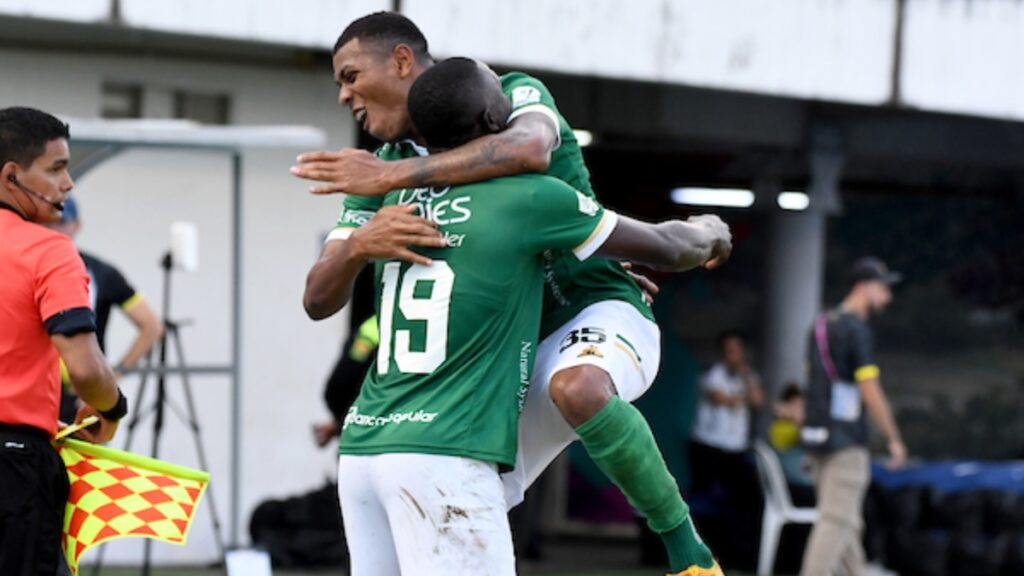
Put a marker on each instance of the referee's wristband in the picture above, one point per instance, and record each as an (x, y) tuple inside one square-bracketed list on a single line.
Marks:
[(118, 411)]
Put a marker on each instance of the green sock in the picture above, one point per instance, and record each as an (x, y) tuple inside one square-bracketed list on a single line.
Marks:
[(620, 442), (685, 548)]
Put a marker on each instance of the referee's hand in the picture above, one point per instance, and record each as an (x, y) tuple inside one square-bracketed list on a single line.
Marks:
[(99, 433)]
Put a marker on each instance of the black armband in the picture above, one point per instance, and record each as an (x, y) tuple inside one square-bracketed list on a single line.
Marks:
[(70, 322), (118, 411)]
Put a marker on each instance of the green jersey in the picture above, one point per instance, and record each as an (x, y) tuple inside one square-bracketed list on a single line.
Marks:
[(457, 338), (571, 285)]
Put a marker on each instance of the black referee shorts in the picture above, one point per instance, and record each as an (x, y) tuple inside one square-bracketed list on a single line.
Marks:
[(33, 495)]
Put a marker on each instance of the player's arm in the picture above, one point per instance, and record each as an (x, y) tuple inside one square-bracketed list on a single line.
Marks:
[(62, 300), (148, 327), (525, 146), (561, 218), (389, 234), (675, 245), (868, 379), (754, 391), (92, 379), (715, 392), (881, 413), (720, 398)]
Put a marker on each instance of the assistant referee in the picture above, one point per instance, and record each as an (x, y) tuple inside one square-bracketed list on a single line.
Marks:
[(44, 314)]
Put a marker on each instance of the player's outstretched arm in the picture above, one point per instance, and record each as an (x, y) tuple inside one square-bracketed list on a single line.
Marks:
[(675, 245), (525, 146), (389, 235)]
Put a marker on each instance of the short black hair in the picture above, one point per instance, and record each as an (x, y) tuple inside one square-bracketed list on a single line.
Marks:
[(456, 101), (24, 133), (389, 29), (791, 391), (727, 335)]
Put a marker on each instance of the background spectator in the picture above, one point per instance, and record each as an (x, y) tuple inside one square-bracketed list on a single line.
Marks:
[(844, 378), (784, 436)]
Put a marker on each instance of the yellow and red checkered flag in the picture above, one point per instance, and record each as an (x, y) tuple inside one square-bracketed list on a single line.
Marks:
[(116, 494)]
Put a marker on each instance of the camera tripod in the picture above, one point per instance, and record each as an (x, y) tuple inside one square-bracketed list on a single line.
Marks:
[(171, 336)]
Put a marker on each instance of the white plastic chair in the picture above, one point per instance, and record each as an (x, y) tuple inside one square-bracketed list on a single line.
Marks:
[(778, 506)]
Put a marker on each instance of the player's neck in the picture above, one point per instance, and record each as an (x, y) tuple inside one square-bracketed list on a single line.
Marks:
[(857, 305), (415, 137), (9, 200)]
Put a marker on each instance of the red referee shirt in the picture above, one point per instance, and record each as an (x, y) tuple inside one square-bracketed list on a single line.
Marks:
[(41, 276)]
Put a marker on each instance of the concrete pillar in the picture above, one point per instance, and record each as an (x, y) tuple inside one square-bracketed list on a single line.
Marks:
[(795, 266)]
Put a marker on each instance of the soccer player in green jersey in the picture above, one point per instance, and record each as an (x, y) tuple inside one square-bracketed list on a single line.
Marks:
[(437, 416), (600, 346)]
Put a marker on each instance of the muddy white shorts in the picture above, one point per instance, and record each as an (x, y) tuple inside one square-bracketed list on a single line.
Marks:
[(612, 335), (424, 514)]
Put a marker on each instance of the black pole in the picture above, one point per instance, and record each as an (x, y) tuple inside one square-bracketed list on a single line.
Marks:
[(166, 263)]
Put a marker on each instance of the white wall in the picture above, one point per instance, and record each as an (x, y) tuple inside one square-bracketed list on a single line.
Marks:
[(313, 23), (835, 49), (73, 10), (965, 57), (127, 205)]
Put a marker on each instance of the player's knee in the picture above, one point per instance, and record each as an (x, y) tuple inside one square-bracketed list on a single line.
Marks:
[(580, 392)]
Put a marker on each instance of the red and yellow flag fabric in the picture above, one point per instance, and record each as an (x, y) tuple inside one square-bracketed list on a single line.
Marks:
[(116, 494)]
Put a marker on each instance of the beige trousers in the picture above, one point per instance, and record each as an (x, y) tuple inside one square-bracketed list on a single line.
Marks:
[(841, 480)]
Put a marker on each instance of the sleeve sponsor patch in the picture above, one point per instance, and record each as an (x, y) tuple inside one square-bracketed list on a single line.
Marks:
[(587, 205), (355, 217), (525, 95)]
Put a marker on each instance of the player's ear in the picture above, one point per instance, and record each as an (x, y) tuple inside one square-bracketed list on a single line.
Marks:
[(404, 59), (492, 122)]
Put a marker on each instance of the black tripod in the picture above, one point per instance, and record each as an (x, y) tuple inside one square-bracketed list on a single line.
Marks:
[(171, 334)]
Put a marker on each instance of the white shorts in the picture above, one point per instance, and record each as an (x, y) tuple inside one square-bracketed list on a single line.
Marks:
[(424, 514), (612, 335)]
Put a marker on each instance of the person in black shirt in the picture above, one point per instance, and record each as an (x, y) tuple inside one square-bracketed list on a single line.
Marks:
[(347, 379), (843, 380), (108, 288)]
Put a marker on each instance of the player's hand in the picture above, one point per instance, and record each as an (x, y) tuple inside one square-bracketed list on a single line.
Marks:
[(350, 170), (649, 288), (721, 238), (99, 433), (897, 455), (324, 432), (392, 231)]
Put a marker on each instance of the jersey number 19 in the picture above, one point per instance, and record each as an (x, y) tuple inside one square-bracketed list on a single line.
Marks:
[(432, 310)]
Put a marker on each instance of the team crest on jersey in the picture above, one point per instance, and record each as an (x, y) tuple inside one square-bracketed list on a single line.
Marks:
[(590, 351), (586, 204), (524, 95)]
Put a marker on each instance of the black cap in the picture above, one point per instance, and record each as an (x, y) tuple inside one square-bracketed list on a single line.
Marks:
[(871, 268)]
